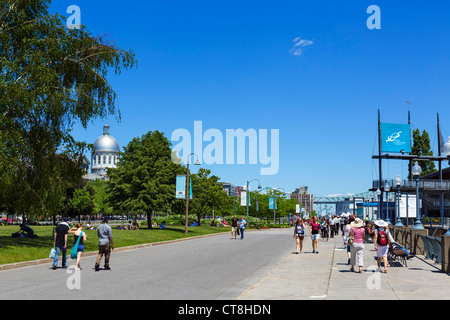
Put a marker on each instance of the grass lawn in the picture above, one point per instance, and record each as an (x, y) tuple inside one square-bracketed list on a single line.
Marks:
[(13, 250)]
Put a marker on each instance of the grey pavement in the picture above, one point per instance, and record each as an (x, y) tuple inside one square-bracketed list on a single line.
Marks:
[(262, 267), (326, 276)]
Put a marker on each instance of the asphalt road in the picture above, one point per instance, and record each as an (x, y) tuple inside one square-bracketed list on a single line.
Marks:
[(210, 268)]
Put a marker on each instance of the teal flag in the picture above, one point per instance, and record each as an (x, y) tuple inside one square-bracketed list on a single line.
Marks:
[(180, 187), (271, 203), (395, 138)]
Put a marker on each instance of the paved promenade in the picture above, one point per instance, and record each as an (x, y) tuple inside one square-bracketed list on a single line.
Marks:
[(326, 276), (306, 276)]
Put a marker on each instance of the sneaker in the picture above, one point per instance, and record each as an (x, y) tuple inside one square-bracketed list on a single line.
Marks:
[(53, 267), (107, 268), (97, 267)]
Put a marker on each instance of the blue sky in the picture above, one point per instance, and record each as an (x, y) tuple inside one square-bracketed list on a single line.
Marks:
[(231, 65)]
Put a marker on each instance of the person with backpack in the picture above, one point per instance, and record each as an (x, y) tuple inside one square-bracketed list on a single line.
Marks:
[(382, 242)]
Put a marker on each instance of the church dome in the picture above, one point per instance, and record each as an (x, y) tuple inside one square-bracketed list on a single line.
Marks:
[(106, 143)]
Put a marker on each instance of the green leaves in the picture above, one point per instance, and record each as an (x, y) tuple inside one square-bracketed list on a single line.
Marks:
[(50, 78), (422, 146), (144, 179)]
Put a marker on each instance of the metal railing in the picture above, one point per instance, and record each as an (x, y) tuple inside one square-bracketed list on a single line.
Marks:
[(432, 248), (443, 185)]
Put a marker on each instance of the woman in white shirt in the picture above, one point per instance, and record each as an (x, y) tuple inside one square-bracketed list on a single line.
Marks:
[(346, 235)]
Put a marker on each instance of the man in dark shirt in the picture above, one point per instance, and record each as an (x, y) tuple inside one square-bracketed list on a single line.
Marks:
[(26, 231), (60, 242)]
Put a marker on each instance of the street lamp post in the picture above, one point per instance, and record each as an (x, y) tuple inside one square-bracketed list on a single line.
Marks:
[(371, 198), (248, 196), (379, 203), (416, 171), (398, 183), (197, 163), (386, 189), (446, 150), (274, 204)]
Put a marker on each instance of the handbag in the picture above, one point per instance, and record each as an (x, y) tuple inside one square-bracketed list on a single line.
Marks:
[(350, 241), (74, 251), (52, 253)]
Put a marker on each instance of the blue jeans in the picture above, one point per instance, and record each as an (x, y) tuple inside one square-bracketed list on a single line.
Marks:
[(242, 233), (64, 253)]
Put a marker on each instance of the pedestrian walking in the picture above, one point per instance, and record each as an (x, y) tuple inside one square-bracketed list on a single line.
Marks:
[(105, 244), (60, 242), (77, 232), (342, 224), (346, 236), (299, 234), (357, 248), (242, 224), (324, 228), (336, 225), (331, 223), (382, 242), (314, 229), (234, 227)]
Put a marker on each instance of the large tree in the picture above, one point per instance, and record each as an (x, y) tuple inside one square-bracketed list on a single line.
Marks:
[(145, 177), (207, 192), (51, 77), (422, 146)]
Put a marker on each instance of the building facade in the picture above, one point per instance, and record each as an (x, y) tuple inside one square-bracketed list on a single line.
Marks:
[(304, 198), (105, 155), (230, 189)]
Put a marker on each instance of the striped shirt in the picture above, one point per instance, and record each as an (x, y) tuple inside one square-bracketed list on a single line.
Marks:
[(104, 234)]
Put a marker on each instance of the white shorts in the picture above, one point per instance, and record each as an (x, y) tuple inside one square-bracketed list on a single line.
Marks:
[(382, 251)]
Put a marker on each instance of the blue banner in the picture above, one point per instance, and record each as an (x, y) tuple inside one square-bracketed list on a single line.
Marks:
[(180, 187), (271, 203), (395, 138)]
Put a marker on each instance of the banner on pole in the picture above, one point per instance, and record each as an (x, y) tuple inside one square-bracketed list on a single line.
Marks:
[(395, 137), (180, 187), (244, 199), (180, 192), (272, 202)]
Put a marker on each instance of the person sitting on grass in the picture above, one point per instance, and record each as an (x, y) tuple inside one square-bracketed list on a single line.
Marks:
[(162, 225), (26, 231)]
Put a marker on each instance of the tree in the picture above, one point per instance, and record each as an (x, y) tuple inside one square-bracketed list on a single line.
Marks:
[(82, 202), (145, 177), (421, 146), (51, 77), (101, 204), (207, 192)]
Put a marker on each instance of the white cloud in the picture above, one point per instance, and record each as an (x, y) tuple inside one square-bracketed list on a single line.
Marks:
[(299, 44)]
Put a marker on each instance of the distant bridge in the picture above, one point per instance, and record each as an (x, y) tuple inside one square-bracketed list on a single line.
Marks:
[(335, 199)]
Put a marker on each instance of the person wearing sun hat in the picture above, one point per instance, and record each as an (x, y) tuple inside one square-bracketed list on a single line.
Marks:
[(382, 242), (357, 248)]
